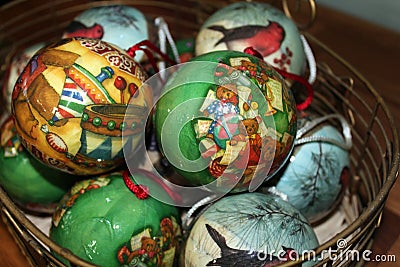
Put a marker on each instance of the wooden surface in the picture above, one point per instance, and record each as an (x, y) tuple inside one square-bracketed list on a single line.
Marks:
[(375, 52)]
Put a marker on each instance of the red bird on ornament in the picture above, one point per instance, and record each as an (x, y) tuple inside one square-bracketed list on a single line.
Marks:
[(264, 39), (78, 29)]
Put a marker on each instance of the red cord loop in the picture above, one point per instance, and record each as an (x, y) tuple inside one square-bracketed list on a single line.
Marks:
[(251, 51), (287, 75), (310, 92), (140, 191), (148, 48)]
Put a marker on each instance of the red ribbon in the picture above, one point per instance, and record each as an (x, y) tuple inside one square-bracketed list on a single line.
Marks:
[(310, 92), (300, 106), (251, 51), (140, 191), (174, 195), (148, 48)]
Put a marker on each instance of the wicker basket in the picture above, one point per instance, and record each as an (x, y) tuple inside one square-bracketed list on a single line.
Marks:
[(339, 88)]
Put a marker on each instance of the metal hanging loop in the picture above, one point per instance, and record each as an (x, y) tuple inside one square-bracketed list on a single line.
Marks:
[(313, 12)]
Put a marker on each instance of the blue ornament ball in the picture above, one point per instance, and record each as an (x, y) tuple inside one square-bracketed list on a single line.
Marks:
[(317, 172), (249, 229)]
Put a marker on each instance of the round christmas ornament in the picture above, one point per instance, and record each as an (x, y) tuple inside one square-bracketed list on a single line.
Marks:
[(259, 25), (15, 68), (108, 224), (69, 105), (317, 173), (32, 185), (226, 120), (249, 229), (120, 25)]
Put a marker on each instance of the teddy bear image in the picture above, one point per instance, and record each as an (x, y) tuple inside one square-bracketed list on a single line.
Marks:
[(167, 232), (255, 143), (251, 70), (247, 67), (227, 102), (249, 156), (146, 255), (255, 140)]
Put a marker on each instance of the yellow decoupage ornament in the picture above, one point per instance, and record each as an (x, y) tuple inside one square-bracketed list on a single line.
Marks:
[(70, 101)]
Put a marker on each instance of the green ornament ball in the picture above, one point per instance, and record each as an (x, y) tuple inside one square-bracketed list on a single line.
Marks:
[(103, 222), (226, 120), (32, 185)]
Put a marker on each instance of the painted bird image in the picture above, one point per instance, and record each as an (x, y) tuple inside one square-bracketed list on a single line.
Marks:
[(244, 258), (78, 29), (265, 39)]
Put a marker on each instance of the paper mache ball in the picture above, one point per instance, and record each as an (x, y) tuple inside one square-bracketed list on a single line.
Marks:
[(317, 174), (248, 229), (103, 222), (225, 119), (258, 25), (70, 104)]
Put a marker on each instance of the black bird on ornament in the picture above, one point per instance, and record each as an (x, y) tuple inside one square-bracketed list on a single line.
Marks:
[(245, 258)]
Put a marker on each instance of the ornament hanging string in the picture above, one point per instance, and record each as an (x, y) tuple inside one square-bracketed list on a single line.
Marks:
[(128, 182), (187, 220), (140, 191), (164, 35), (346, 132), (149, 48), (310, 92), (312, 65)]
